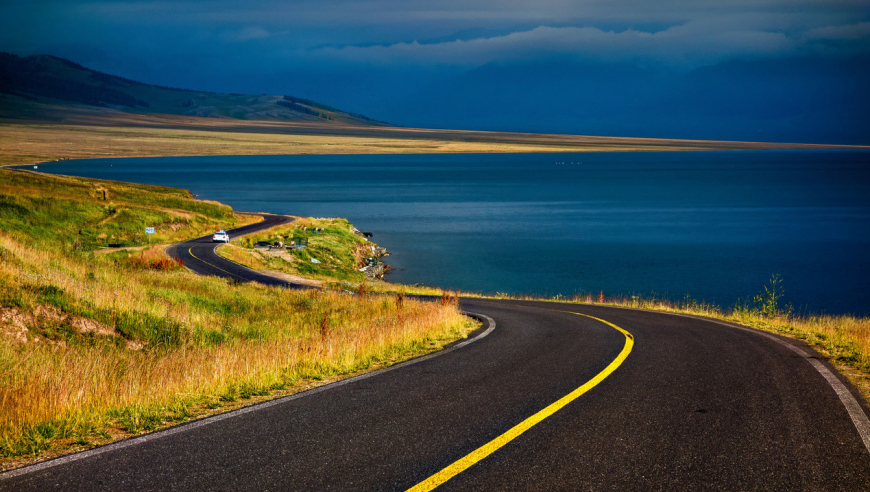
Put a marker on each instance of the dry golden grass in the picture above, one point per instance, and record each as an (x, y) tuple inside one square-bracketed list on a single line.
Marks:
[(202, 343), (245, 257), (27, 144), (92, 133), (100, 346)]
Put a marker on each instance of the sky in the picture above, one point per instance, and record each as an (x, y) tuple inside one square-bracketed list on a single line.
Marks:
[(784, 70)]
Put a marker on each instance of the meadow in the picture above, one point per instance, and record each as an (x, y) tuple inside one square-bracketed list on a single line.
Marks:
[(36, 132), (103, 337)]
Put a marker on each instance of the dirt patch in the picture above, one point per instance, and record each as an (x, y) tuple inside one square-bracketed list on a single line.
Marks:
[(132, 248), (135, 344), (80, 324), (14, 325), (360, 253), (85, 325), (278, 253), (296, 279)]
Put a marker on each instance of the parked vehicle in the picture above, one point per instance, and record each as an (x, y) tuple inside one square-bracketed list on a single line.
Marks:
[(220, 236)]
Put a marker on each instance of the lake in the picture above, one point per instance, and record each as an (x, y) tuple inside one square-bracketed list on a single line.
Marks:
[(713, 225)]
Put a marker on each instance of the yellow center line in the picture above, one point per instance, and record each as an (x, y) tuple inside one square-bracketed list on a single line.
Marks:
[(487, 449), (215, 266)]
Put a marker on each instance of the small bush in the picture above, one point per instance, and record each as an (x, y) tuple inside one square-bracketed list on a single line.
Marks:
[(155, 259)]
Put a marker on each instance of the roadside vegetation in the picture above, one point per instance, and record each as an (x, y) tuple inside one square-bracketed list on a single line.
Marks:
[(331, 251), (333, 255), (843, 339), (103, 337), (79, 215)]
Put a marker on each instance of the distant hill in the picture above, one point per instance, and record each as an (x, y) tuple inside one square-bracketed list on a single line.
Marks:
[(52, 80)]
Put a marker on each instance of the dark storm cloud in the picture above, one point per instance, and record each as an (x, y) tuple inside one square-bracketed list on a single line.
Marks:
[(743, 69), (401, 31)]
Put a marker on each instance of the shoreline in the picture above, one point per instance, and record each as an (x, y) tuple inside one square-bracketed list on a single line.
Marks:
[(856, 373), (86, 306), (813, 329), (638, 150), (85, 133), (276, 134)]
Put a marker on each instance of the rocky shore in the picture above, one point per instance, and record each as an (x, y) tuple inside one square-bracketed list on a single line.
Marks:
[(374, 268)]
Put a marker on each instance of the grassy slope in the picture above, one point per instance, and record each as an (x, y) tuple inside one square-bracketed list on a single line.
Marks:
[(340, 252), (60, 212), (334, 248), (94, 347)]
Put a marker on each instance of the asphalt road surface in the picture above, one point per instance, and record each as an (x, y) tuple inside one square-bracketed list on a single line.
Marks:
[(683, 404), (199, 254)]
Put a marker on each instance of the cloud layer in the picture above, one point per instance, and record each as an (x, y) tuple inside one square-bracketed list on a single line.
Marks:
[(692, 43), (448, 32), (746, 69)]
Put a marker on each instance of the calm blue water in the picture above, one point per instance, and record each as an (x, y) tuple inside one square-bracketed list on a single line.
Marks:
[(715, 225)]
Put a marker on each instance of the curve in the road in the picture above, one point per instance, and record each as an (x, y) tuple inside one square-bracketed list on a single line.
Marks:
[(856, 413), (487, 449), (488, 325), (697, 405), (199, 254), (694, 406)]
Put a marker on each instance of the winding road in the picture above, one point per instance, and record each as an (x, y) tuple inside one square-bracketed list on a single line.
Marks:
[(200, 257), (544, 396)]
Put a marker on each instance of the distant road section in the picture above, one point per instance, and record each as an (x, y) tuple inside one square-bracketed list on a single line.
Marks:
[(199, 254)]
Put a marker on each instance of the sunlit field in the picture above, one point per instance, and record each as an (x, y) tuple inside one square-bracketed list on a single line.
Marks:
[(98, 345)]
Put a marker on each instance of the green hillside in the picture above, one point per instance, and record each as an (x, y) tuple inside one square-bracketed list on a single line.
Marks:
[(99, 343)]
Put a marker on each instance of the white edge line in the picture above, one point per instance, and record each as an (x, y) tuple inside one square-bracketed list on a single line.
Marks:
[(856, 413), (235, 413)]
